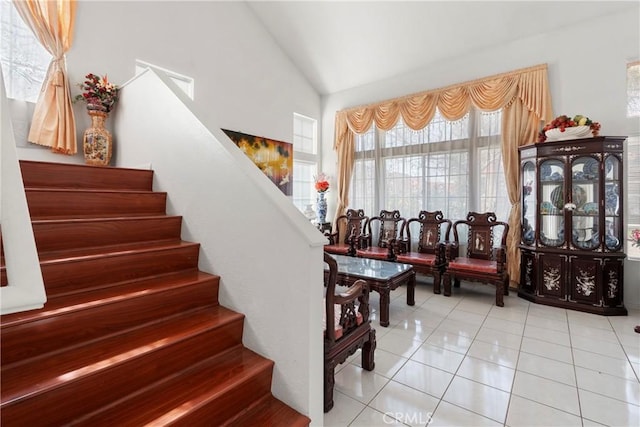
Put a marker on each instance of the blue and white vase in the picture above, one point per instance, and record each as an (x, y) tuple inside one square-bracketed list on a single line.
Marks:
[(321, 208)]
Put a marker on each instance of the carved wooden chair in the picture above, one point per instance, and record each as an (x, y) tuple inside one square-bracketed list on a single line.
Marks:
[(346, 327), (483, 262), (429, 255), (348, 234), (387, 227)]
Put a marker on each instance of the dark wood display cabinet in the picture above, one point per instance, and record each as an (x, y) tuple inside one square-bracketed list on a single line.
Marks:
[(572, 224)]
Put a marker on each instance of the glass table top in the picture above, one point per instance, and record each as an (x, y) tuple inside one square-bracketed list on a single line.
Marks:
[(369, 268)]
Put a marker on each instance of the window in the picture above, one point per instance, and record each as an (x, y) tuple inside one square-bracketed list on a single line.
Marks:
[(305, 160), (633, 89), (24, 60), (633, 152), (455, 167)]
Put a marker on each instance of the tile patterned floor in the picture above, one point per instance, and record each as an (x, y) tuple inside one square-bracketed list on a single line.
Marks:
[(462, 361)]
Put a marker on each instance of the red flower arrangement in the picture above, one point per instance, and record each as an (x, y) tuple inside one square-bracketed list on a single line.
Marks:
[(99, 93), (562, 122), (322, 183)]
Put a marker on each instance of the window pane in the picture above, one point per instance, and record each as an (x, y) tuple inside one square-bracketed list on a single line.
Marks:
[(24, 61), (363, 186), (304, 134), (305, 162), (633, 89), (303, 185)]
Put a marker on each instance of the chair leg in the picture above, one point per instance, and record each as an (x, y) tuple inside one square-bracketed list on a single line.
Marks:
[(456, 283), (447, 284), (368, 351), (500, 293), (506, 285), (436, 282), (329, 382)]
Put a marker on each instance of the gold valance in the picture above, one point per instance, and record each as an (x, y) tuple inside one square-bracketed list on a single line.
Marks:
[(488, 94)]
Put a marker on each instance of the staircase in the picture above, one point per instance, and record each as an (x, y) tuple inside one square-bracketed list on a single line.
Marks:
[(132, 333)]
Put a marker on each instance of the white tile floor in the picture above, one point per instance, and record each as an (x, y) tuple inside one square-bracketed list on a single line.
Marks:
[(462, 361)]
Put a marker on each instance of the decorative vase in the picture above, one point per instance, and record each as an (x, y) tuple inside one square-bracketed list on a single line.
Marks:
[(322, 208), (97, 140)]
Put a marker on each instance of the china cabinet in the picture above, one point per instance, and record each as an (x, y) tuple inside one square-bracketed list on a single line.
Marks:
[(572, 248)]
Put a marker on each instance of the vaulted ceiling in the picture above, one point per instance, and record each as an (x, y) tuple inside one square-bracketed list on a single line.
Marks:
[(338, 45)]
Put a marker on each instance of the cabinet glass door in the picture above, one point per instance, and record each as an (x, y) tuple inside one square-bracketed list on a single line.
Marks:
[(612, 223), (528, 203), (585, 200), (552, 202)]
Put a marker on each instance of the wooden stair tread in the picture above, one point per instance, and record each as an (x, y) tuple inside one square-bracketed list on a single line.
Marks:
[(269, 412), (103, 231), (90, 298), (165, 402), (50, 370), (49, 174), (96, 219), (110, 251), (89, 190)]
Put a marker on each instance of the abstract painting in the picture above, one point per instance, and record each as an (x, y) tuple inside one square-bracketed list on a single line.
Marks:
[(274, 158)]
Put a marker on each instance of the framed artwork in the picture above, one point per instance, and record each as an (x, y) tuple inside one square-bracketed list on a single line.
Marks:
[(274, 158)]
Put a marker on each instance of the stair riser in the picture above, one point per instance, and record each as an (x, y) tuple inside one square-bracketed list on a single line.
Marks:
[(69, 204), (217, 411), (76, 234), (86, 393), (75, 327), (40, 174), (76, 275)]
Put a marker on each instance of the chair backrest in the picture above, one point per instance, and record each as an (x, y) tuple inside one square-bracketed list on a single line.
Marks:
[(353, 223), (431, 230), (389, 225), (482, 229), (349, 310)]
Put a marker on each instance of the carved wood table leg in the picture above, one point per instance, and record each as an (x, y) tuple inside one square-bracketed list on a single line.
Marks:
[(411, 289), (384, 292)]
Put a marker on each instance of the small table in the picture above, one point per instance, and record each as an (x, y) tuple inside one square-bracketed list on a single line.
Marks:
[(382, 277)]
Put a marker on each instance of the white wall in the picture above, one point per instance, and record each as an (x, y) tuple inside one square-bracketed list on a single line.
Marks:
[(243, 80), (587, 75)]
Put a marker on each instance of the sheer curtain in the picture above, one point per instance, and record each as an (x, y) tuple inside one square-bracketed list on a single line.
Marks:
[(53, 122), (523, 96), (451, 166)]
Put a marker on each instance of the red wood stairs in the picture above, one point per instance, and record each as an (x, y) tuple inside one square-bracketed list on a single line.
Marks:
[(132, 333)]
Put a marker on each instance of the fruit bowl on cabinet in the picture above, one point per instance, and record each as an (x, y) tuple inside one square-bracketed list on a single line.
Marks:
[(574, 132)]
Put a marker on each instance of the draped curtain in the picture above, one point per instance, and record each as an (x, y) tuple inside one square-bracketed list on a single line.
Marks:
[(523, 96), (53, 123)]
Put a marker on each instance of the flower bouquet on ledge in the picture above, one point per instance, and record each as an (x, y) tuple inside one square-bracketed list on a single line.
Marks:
[(564, 127), (99, 93)]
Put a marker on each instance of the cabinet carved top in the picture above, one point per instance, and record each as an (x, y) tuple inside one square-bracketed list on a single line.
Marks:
[(610, 144)]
